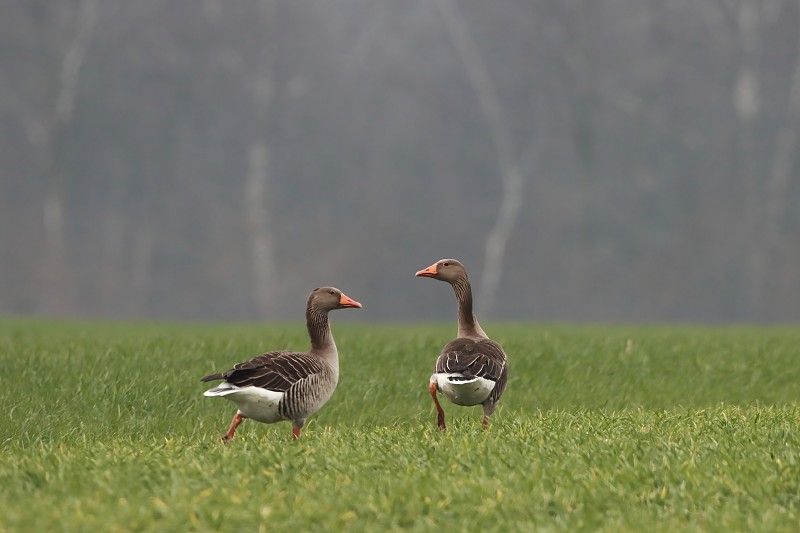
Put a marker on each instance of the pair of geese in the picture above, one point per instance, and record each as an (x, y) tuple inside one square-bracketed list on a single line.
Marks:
[(471, 370)]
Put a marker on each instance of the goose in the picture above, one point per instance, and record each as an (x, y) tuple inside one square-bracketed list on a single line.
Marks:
[(286, 385), (472, 369)]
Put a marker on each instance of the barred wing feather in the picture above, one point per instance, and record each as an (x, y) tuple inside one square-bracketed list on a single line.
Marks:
[(483, 358), (275, 371)]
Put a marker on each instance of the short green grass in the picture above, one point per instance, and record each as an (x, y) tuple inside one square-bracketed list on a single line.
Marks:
[(104, 428)]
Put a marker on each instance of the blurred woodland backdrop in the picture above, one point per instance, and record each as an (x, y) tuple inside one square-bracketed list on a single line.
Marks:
[(623, 160)]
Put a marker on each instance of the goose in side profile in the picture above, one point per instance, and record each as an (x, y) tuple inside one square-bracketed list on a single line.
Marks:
[(284, 385), (472, 369)]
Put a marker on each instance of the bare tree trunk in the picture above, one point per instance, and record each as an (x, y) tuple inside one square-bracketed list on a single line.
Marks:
[(785, 149), (778, 185), (256, 187), (763, 201), (511, 178), (55, 286), (747, 105), (261, 245), (580, 25), (143, 250), (113, 247)]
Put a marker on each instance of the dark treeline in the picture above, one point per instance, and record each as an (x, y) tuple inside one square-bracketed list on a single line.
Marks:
[(624, 160)]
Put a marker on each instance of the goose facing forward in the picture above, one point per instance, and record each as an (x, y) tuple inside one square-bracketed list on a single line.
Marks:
[(285, 385), (472, 369)]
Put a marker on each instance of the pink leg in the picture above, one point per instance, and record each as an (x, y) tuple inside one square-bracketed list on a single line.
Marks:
[(440, 416), (232, 430)]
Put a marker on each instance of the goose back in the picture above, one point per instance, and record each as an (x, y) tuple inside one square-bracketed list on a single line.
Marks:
[(475, 358)]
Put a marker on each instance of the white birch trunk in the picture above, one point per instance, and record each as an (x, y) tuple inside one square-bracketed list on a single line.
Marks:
[(511, 178)]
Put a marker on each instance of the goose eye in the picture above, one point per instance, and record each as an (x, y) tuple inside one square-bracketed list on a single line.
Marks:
[(333, 292), (445, 264)]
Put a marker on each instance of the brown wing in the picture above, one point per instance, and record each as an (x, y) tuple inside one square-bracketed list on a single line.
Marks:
[(476, 358), (498, 389), (276, 371)]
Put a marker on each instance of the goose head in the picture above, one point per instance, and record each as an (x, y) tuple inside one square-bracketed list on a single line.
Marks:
[(330, 298), (448, 270)]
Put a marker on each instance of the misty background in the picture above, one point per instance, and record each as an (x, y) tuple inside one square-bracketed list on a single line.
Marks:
[(624, 160)]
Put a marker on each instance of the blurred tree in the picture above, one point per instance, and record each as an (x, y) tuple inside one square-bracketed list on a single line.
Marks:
[(621, 160), (66, 28)]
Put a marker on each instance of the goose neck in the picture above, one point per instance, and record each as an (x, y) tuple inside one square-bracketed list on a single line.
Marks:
[(319, 331), (468, 325)]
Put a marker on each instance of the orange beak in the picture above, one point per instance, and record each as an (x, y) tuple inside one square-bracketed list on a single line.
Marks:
[(429, 272), (346, 301)]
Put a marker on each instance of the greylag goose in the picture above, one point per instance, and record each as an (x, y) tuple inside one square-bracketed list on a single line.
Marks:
[(284, 385), (472, 369)]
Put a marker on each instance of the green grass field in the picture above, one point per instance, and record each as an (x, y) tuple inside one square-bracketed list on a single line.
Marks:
[(104, 428)]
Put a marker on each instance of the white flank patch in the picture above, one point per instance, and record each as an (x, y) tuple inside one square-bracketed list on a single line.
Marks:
[(472, 391), (253, 402)]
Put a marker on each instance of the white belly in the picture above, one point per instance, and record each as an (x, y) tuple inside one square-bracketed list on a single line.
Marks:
[(460, 391), (253, 402)]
